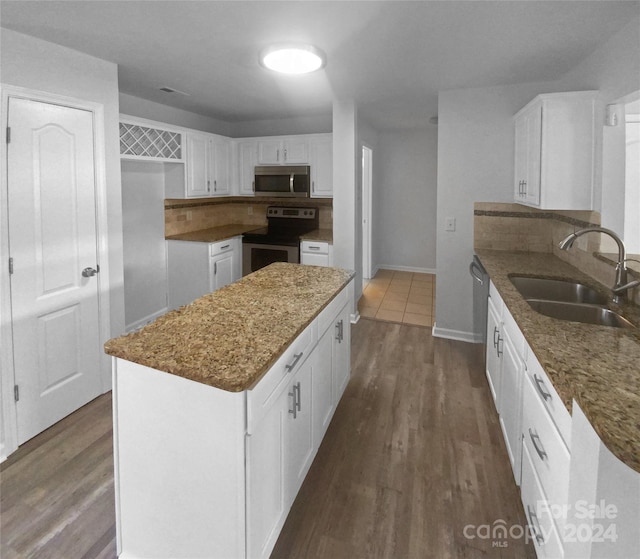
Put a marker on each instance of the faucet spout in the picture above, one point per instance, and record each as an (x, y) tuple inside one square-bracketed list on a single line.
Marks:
[(620, 287)]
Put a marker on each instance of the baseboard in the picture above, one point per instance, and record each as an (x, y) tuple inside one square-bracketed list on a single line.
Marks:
[(354, 317), (405, 269), (144, 321), (459, 335)]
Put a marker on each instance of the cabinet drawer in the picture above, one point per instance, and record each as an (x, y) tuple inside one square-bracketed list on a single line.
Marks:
[(222, 246), (547, 394), (548, 452), (315, 247), (262, 396), (331, 311), (543, 529)]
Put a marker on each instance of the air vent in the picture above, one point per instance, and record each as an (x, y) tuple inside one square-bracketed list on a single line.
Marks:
[(171, 90)]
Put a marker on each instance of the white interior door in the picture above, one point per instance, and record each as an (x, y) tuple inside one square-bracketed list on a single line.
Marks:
[(52, 239), (366, 212)]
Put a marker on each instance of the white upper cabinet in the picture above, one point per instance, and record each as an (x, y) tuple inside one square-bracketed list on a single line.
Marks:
[(198, 165), (321, 161), (207, 170), (283, 150), (554, 151), (221, 165), (247, 160)]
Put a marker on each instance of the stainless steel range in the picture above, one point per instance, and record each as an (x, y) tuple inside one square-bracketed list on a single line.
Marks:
[(280, 240)]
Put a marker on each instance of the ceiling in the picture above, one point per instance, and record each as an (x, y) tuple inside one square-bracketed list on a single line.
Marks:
[(391, 57)]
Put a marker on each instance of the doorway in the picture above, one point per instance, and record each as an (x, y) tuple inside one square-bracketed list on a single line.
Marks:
[(54, 261), (367, 168)]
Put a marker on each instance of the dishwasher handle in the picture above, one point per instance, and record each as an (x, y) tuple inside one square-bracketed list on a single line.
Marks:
[(477, 272)]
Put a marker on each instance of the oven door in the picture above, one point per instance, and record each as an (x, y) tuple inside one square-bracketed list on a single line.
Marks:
[(259, 255)]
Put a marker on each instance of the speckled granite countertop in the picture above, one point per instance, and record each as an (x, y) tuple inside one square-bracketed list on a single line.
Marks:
[(598, 366), (213, 234), (325, 235), (228, 339)]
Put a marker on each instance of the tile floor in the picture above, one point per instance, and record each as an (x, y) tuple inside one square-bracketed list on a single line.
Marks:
[(405, 297)]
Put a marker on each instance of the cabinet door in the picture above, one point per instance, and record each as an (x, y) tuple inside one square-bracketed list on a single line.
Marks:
[(295, 151), (247, 160), (511, 404), (300, 449), (267, 507), (321, 161), (221, 154), (534, 153), (198, 163), (270, 152), (521, 147), (222, 271), (323, 402), (341, 353), (494, 352)]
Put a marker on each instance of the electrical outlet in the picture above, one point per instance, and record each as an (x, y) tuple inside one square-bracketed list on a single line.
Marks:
[(450, 224), (250, 210), (189, 214)]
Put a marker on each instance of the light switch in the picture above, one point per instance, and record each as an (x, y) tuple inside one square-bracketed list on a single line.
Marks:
[(450, 224)]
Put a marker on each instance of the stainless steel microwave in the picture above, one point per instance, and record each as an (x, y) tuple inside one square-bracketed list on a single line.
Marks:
[(283, 181)]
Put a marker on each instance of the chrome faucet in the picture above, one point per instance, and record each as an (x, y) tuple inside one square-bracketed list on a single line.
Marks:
[(621, 284)]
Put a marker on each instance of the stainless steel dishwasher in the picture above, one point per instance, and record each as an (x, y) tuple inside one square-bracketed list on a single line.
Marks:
[(480, 294)]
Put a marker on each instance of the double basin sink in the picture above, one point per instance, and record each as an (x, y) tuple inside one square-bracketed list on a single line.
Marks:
[(568, 300)]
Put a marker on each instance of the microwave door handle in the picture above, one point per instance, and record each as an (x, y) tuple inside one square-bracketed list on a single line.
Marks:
[(291, 183)]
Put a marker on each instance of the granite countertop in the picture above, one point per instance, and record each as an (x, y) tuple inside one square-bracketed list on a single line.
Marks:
[(230, 338), (213, 234), (598, 366), (325, 235)]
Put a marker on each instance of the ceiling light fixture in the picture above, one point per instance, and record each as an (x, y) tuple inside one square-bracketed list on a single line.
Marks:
[(292, 58)]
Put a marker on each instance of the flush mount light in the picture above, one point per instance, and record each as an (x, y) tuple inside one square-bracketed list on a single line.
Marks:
[(292, 59)]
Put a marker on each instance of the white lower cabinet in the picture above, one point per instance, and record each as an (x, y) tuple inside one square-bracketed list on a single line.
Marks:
[(316, 253), (580, 501), (197, 268), (202, 472)]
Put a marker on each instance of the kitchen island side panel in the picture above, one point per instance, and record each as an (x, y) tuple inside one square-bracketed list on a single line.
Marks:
[(179, 467)]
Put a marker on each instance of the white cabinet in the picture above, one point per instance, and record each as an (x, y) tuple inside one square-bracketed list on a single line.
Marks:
[(202, 472), (197, 268), (321, 162), (198, 165), (511, 401), (283, 150), (316, 253), (208, 164), (493, 364), (221, 166), (247, 161), (341, 354), (554, 151)]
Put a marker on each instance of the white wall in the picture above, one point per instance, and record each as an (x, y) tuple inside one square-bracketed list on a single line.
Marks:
[(614, 70), (43, 66), (475, 164), (145, 253), (135, 106), (48, 68), (406, 199), (475, 161)]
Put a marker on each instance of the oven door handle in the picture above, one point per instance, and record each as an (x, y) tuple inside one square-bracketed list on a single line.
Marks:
[(291, 182)]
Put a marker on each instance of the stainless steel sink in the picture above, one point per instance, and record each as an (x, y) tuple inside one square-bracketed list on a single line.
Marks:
[(557, 290), (580, 312)]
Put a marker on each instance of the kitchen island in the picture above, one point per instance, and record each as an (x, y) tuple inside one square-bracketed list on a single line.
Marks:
[(219, 409)]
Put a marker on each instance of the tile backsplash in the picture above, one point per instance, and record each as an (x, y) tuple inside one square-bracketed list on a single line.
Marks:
[(513, 227), (185, 216)]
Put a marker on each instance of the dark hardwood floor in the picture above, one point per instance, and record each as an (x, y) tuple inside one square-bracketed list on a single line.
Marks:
[(413, 466)]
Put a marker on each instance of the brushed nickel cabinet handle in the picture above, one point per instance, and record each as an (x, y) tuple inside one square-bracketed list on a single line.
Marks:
[(539, 449), (539, 385), (535, 527), (292, 365)]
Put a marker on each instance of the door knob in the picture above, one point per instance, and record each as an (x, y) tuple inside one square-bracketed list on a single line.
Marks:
[(88, 272)]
